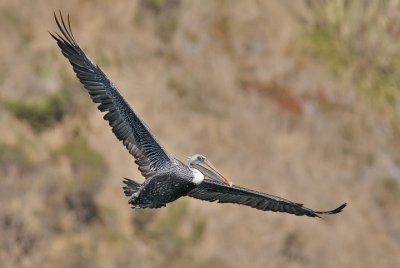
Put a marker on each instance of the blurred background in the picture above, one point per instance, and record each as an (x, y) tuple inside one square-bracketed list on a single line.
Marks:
[(295, 98)]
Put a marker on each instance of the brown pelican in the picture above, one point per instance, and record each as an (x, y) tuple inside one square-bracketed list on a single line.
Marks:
[(166, 178)]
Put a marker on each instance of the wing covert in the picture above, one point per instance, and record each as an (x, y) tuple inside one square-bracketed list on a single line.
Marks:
[(126, 125)]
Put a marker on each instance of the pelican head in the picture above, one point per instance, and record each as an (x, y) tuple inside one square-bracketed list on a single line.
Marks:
[(201, 163)]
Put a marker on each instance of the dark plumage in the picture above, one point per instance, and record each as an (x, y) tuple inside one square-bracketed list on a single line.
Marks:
[(167, 179), (212, 190)]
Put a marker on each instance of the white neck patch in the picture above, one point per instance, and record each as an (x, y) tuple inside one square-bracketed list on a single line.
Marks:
[(198, 177)]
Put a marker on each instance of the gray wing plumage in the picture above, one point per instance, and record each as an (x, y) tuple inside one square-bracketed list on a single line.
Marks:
[(213, 190), (125, 124)]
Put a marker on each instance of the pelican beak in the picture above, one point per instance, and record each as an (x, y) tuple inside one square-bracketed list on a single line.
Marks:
[(211, 172)]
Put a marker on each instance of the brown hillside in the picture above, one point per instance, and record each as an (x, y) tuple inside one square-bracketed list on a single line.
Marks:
[(295, 98)]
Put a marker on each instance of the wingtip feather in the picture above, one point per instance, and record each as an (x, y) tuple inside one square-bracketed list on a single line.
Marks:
[(334, 211)]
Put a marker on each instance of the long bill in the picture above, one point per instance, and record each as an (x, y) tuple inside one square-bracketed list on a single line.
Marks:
[(211, 172)]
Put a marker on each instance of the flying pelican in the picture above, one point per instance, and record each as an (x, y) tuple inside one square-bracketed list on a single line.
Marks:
[(166, 178)]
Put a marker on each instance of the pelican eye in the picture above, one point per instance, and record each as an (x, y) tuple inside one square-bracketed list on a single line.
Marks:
[(200, 158)]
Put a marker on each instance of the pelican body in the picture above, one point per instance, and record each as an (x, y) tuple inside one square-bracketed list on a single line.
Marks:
[(162, 188), (166, 178)]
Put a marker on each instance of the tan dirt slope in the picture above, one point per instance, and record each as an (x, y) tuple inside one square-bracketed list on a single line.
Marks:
[(232, 80)]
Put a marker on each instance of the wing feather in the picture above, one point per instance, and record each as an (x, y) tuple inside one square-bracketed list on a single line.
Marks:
[(213, 190), (125, 124)]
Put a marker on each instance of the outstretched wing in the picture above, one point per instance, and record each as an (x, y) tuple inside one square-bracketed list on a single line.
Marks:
[(125, 124), (213, 190)]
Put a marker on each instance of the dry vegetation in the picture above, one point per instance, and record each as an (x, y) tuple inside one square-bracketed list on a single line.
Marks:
[(296, 98)]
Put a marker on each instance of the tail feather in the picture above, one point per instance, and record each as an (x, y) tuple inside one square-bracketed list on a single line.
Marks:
[(130, 187)]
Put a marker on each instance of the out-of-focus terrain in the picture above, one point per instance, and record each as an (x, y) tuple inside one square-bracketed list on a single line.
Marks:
[(295, 98)]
